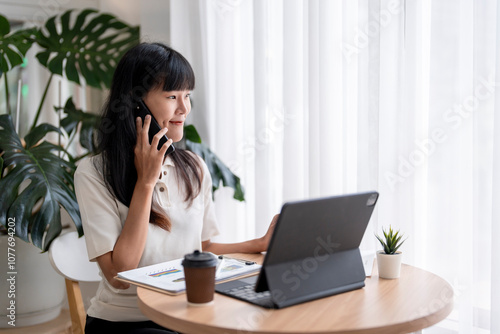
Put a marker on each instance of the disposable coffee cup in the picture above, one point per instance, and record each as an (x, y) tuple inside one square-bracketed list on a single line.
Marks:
[(199, 273)]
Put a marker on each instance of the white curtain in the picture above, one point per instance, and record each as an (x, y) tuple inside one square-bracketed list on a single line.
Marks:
[(314, 98)]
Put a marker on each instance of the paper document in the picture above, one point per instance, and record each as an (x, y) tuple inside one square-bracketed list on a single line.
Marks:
[(168, 276)]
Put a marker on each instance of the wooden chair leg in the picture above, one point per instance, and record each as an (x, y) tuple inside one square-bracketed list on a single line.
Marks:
[(76, 308)]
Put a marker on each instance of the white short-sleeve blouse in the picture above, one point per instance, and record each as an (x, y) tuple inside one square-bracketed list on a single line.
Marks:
[(103, 217)]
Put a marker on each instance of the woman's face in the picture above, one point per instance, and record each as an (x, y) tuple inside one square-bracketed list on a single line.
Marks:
[(170, 110)]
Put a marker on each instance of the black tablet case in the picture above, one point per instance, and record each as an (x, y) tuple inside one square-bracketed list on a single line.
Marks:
[(314, 251)]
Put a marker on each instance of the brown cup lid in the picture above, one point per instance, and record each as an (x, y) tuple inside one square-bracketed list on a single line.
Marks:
[(199, 259)]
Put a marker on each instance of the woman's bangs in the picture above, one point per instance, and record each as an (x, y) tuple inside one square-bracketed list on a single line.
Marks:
[(179, 75)]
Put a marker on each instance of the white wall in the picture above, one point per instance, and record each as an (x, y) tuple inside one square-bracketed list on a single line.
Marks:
[(151, 15), (37, 11), (126, 10)]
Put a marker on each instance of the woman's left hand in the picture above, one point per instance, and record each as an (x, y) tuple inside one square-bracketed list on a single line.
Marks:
[(267, 237), (258, 245)]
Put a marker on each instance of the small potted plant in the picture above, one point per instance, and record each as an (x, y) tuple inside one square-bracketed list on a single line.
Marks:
[(389, 259)]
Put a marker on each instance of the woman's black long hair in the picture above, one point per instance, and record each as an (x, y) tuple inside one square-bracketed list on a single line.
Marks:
[(145, 67)]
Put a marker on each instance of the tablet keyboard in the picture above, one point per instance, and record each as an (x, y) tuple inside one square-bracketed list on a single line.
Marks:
[(247, 293)]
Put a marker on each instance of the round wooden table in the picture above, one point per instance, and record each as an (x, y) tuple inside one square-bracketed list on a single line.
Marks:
[(418, 299)]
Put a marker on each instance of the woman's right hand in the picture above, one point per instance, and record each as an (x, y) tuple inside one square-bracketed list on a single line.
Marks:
[(148, 159)]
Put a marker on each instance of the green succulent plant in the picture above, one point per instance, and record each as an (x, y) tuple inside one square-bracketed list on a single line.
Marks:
[(391, 240)]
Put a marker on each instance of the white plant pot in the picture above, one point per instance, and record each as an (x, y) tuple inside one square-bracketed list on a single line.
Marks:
[(389, 265), (37, 291)]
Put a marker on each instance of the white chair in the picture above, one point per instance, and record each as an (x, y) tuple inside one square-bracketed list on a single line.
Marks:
[(68, 255)]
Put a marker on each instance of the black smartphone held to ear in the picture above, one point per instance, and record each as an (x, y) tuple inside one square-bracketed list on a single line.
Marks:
[(141, 111)]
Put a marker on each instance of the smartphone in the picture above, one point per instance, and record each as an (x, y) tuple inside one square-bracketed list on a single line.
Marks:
[(142, 110)]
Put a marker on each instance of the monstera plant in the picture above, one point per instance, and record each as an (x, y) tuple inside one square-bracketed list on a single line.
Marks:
[(36, 176)]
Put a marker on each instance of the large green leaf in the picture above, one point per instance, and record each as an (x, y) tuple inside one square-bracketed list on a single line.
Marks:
[(74, 117), (37, 183), (218, 170), (90, 47), (4, 26), (190, 133), (13, 47)]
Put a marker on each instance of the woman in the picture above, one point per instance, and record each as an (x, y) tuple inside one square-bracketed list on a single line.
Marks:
[(139, 207)]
